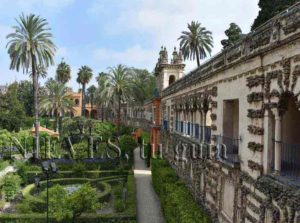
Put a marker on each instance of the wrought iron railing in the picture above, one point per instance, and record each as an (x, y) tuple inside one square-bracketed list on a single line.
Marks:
[(165, 125), (207, 134), (181, 126), (228, 149), (188, 128), (290, 159)]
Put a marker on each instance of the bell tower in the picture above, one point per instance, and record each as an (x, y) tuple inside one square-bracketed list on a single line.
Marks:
[(167, 73)]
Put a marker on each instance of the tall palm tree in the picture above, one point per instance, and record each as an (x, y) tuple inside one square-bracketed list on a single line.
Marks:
[(196, 42), (57, 101), (101, 94), (63, 72), (142, 85), (84, 76), (31, 46), (119, 87), (91, 94)]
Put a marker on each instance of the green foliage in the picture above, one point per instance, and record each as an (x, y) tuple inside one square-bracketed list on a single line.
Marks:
[(25, 95), (58, 203), (177, 202), (125, 130), (81, 150), (63, 72), (233, 33), (12, 114), (196, 43), (127, 145), (142, 85), (79, 169), (83, 200), (87, 218), (146, 137), (11, 186), (270, 8), (23, 168), (3, 165), (104, 129), (119, 205)]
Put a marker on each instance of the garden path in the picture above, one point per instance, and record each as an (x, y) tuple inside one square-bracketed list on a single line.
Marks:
[(7, 170), (148, 204)]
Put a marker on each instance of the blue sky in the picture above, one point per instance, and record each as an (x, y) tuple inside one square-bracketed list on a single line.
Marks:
[(103, 33)]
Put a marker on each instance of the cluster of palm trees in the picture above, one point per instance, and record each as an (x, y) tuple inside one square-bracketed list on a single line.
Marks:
[(32, 50)]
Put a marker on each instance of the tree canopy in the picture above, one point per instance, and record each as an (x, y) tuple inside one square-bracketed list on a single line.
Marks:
[(233, 33), (196, 43), (270, 8)]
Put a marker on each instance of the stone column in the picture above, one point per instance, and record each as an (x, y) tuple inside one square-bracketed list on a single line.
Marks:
[(267, 142), (277, 143), (204, 125)]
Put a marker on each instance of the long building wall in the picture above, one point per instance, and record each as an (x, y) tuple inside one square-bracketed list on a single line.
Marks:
[(231, 128)]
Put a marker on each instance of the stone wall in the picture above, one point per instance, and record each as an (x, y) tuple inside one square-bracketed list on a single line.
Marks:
[(262, 74)]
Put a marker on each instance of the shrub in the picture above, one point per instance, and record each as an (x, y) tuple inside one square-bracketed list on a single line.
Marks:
[(127, 145), (79, 169), (2, 204), (81, 150), (11, 186), (177, 202), (119, 205)]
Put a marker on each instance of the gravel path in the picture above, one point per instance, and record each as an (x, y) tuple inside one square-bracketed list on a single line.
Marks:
[(8, 169), (148, 204)]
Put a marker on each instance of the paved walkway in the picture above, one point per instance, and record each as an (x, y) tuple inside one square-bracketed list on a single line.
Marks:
[(148, 204)]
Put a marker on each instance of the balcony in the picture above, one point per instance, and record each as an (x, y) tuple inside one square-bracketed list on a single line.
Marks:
[(228, 150), (290, 159)]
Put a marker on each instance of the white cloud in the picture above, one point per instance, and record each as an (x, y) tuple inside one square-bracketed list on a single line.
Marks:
[(163, 21), (133, 56)]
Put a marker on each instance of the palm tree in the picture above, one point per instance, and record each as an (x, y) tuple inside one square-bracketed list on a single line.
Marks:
[(31, 46), (63, 72), (84, 76), (91, 94), (101, 94), (118, 87), (196, 42), (57, 101), (142, 85)]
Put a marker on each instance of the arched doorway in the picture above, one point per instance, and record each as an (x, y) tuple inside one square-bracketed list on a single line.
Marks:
[(77, 102), (290, 144), (87, 113), (171, 79), (94, 114)]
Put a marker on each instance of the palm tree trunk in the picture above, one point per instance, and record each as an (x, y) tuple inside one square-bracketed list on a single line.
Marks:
[(36, 107), (198, 59), (119, 114), (83, 100)]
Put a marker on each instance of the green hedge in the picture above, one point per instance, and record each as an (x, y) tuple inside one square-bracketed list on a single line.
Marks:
[(128, 216), (85, 218), (30, 175), (177, 202)]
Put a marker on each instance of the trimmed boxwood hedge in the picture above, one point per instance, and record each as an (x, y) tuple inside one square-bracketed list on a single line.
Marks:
[(128, 216), (85, 218), (31, 175), (101, 183), (177, 202)]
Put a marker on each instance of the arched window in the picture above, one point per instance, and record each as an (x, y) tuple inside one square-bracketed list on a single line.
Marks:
[(171, 79), (77, 102)]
